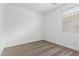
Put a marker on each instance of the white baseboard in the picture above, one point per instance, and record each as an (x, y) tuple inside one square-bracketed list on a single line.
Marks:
[(19, 42), (68, 46), (1, 50)]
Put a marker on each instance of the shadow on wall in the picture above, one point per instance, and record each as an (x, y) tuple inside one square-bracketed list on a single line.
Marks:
[(26, 31)]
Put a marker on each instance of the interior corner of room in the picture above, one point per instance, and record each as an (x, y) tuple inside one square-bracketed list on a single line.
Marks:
[(22, 23)]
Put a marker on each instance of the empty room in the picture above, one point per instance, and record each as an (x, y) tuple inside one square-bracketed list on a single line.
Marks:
[(39, 29)]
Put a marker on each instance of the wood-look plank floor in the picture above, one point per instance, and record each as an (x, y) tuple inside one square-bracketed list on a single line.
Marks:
[(39, 48)]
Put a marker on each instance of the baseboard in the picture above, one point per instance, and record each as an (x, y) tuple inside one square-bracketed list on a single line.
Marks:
[(18, 42), (1, 50), (63, 45), (14, 43)]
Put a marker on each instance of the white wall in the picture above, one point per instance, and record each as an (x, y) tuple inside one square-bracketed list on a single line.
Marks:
[(21, 25), (1, 26), (53, 29)]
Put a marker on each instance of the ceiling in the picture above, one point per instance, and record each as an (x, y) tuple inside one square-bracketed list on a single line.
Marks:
[(38, 7)]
